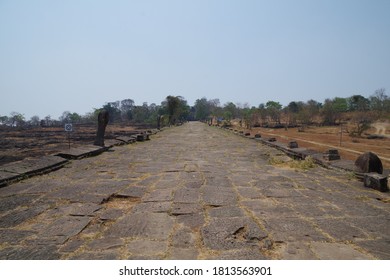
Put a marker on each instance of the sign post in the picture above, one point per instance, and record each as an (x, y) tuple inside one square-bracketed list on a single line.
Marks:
[(69, 129)]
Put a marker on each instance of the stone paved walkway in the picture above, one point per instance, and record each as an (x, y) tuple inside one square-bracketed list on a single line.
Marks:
[(192, 192)]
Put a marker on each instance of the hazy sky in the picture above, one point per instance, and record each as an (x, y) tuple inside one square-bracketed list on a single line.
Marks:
[(58, 56)]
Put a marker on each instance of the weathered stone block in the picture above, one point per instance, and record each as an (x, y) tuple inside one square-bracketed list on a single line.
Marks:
[(292, 144), (376, 181), (140, 137), (367, 163), (331, 154)]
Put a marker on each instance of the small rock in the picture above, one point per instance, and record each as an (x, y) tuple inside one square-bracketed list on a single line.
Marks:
[(292, 144), (331, 154)]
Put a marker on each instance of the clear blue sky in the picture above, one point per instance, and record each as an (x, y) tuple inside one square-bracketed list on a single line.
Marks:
[(76, 55)]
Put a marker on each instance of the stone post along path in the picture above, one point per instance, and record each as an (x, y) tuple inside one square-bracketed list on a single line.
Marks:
[(192, 192)]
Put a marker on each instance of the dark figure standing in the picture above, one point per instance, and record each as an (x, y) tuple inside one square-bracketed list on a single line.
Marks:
[(102, 123), (158, 122)]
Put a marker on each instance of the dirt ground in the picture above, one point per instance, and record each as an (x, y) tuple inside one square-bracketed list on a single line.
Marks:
[(19, 143), (329, 137)]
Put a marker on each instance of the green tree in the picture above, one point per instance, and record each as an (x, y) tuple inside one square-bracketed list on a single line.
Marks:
[(202, 109), (293, 107), (75, 118), (332, 110), (340, 105), (358, 103), (17, 119), (177, 109), (274, 110), (230, 111)]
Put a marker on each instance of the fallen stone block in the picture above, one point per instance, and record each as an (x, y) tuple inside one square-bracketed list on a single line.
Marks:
[(81, 152), (376, 181), (292, 145), (272, 139), (257, 135), (140, 137), (125, 139), (331, 154)]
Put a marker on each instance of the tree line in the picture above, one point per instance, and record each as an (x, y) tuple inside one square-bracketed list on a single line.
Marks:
[(173, 109)]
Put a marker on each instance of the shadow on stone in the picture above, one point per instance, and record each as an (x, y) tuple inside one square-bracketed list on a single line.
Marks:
[(368, 162)]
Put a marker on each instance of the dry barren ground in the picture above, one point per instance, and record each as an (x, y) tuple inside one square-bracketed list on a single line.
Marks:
[(328, 137)]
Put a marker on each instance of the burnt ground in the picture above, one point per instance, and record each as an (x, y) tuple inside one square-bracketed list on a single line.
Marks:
[(20, 143)]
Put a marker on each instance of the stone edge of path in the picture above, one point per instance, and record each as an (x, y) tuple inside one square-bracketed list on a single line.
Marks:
[(302, 153)]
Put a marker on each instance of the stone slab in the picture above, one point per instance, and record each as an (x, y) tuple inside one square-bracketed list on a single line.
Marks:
[(187, 195), (340, 229), (183, 254), (82, 152), (105, 243), (219, 196), (47, 252), (65, 227), (96, 255), (157, 226), (13, 236), (29, 167), (292, 229), (6, 176), (231, 233), (18, 217), (154, 207), (227, 211), (147, 248), (126, 139), (379, 248), (113, 142), (13, 202), (133, 191), (159, 195), (110, 214), (185, 208), (337, 251), (297, 251), (193, 221), (184, 238)]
